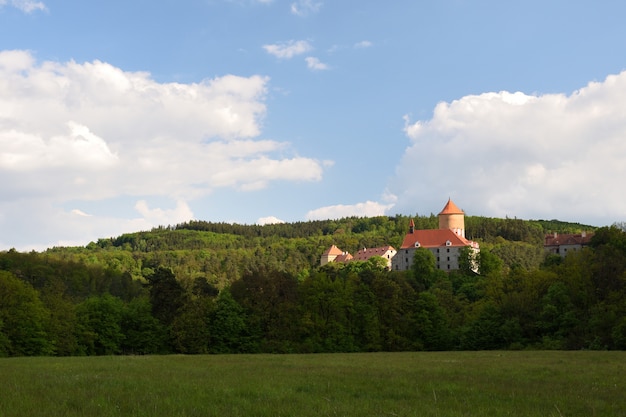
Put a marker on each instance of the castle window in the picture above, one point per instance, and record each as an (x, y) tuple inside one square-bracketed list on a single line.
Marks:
[(448, 243), (417, 244)]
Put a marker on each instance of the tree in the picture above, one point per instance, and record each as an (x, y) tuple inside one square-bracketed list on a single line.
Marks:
[(325, 308), (167, 296), (143, 333), (270, 300), (424, 268), (229, 332), (99, 325), (24, 319), (431, 324)]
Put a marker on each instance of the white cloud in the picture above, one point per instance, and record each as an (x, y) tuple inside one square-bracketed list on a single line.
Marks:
[(363, 44), (72, 132), (305, 7), (158, 216), (315, 64), (80, 213), (269, 220), (529, 156), (27, 6), (367, 209), (289, 49)]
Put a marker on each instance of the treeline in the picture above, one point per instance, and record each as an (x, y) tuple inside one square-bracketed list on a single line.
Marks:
[(77, 301)]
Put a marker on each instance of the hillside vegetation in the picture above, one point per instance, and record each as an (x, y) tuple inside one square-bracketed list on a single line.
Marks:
[(203, 287)]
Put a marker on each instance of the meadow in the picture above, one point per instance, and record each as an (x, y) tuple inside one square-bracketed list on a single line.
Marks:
[(489, 383)]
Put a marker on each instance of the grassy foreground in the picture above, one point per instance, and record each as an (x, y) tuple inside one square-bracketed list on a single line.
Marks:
[(374, 384)]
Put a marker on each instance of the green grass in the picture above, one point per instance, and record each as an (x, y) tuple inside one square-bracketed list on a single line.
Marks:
[(375, 384)]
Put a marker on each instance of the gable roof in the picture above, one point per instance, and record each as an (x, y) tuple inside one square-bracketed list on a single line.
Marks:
[(333, 250), (366, 253), (344, 257), (434, 238), (451, 208), (568, 239)]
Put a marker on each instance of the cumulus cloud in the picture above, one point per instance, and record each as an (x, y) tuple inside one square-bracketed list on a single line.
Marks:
[(529, 156), (305, 7), (315, 64), (367, 209), (90, 131), (157, 216), (27, 6), (289, 49), (269, 220)]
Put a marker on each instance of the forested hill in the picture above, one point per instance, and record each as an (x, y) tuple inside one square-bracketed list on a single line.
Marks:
[(364, 232), (204, 287), (221, 252)]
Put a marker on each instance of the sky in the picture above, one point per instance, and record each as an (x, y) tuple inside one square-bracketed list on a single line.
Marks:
[(122, 116)]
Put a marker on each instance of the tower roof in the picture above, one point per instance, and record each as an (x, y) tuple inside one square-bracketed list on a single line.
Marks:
[(451, 208), (333, 250)]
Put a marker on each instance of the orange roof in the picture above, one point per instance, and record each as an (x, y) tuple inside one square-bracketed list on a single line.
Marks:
[(434, 238), (333, 250), (451, 208), (366, 253)]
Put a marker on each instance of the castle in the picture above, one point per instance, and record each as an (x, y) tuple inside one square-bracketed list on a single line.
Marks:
[(445, 243)]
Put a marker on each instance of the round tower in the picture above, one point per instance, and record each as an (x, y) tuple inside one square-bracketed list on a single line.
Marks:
[(453, 218)]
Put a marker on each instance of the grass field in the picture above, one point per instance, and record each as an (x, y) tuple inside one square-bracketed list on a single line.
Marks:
[(374, 384)]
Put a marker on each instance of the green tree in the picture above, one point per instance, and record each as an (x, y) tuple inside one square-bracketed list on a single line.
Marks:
[(325, 305), (143, 333), (229, 331), (167, 296), (270, 300), (99, 325), (431, 324), (424, 268), (24, 318)]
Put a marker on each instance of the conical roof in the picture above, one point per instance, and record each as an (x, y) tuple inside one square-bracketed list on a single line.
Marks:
[(451, 208)]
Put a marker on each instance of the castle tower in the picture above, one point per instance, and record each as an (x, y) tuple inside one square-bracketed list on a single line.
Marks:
[(453, 218)]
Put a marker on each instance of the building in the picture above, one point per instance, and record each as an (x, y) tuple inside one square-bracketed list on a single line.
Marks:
[(445, 243), (562, 244), (334, 254), (385, 252)]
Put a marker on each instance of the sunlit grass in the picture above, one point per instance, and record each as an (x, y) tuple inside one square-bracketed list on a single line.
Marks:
[(376, 384)]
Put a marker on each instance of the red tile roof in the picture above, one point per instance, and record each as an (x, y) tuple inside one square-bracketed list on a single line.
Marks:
[(434, 238), (451, 208), (366, 253), (568, 239)]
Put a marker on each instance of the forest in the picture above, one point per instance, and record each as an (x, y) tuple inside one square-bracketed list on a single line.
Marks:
[(202, 287)]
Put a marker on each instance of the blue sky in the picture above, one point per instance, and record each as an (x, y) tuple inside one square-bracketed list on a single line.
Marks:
[(122, 116)]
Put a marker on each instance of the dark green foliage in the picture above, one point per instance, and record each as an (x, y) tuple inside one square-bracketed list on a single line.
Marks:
[(424, 268), (99, 325), (143, 333), (229, 330), (167, 296), (23, 319)]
